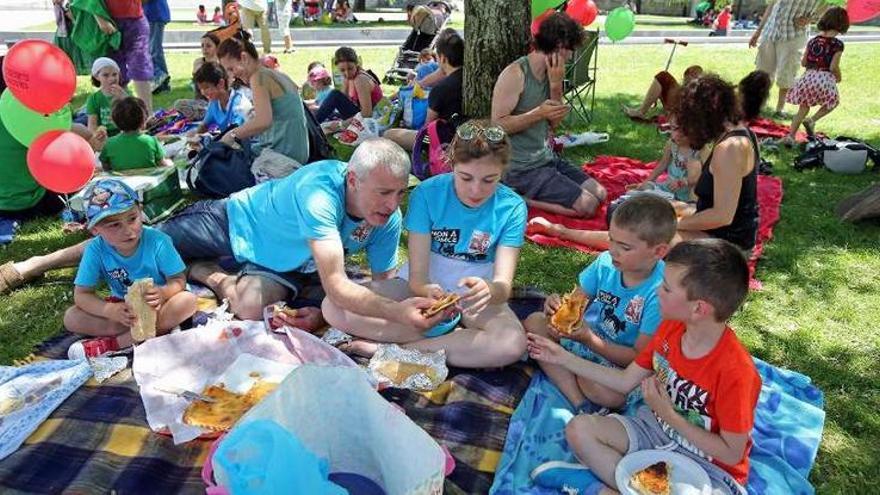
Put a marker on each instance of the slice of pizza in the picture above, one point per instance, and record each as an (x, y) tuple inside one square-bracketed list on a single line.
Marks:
[(653, 480), (441, 304), (219, 415), (227, 407), (568, 317)]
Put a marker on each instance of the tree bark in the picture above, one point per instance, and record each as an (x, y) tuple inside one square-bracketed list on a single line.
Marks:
[(496, 32)]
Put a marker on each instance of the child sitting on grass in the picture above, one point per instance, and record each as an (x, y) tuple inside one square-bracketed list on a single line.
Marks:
[(105, 77), (682, 165), (699, 382), (321, 83), (623, 311), (123, 251), (132, 148)]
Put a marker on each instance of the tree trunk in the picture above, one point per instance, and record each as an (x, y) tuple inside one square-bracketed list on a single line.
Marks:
[(496, 32)]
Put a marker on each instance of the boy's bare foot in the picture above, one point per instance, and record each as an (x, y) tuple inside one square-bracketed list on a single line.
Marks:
[(540, 225), (360, 347), (208, 273)]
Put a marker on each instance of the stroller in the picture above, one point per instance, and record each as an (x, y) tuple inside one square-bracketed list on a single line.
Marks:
[(427, 20)]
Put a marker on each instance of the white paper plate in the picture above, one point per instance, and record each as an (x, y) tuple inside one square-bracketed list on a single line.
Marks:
[(241, 375), (688, 478)]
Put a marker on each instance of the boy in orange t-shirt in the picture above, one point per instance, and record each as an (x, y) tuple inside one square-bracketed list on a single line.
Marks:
[(699, 383)]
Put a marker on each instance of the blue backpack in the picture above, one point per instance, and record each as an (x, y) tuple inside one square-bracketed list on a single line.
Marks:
[(219, 170)]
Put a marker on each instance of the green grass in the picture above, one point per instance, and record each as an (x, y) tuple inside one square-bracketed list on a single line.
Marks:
[(817, 313)]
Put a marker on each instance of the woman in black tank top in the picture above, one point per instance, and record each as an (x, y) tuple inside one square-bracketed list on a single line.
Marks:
[(727, 197)]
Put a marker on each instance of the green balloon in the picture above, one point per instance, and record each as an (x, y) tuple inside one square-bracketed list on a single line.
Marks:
[(836, 3), (620, 23), (25, 125), (540, 6)]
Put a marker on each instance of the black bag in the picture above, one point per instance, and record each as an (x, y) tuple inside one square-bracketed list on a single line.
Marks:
[(219, 170), (319, 147), (842, 154)]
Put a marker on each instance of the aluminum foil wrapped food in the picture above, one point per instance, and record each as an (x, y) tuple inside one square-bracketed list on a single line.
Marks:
[(394, 366)]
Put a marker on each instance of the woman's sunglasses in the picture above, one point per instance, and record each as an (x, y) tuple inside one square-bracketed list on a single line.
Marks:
[(468, 131)]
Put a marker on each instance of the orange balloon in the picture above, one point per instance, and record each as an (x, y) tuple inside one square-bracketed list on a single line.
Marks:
[(61, 161)]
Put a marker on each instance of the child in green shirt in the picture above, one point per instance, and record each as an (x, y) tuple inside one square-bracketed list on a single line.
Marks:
[(105, 77), (131, 148)]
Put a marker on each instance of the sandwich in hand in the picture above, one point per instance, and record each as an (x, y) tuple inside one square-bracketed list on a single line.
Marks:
[(441, 304)]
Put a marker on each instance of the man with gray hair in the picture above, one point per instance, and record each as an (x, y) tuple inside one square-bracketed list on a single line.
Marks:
[(287, 233)]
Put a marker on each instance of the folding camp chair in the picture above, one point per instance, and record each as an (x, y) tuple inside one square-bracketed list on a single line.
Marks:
[(579, 85)]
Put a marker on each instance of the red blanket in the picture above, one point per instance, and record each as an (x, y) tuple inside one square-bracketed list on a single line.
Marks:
[(615, 172), (763, 128)]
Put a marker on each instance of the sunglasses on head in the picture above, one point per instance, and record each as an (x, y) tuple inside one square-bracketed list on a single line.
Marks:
[(468, 131)]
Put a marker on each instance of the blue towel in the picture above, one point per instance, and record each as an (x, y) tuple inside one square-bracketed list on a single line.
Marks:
[(8, 227), (788, 427)]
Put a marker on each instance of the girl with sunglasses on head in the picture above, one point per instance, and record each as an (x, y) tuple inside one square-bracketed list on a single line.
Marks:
[(465, 233)]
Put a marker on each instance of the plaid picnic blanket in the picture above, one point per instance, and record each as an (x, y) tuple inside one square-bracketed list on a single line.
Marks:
[(98, 440)]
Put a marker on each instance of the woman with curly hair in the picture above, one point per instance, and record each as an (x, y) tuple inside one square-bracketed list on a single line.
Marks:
[(708, 113), (727, 191)]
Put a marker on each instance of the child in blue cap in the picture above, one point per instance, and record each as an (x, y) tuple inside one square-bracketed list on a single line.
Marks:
[(122, 251)]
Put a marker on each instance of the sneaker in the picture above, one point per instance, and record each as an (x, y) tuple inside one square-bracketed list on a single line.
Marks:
[(568, 477), (92, 348)]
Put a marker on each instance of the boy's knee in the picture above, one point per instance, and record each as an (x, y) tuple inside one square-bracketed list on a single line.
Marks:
[(581, 430), (70, 318), (536, 323)]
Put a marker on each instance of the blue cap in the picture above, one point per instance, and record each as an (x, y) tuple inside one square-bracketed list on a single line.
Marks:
[(107, 197)]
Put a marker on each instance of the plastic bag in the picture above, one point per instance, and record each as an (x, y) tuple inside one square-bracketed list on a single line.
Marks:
[(415, 109), (359, 130), (262, 457), (354, 428)]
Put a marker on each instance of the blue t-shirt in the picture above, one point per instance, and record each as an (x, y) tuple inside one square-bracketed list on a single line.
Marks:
[(461, 232), (154, 257), (424, 70), (616, 313), (235, 113), (271, 223)]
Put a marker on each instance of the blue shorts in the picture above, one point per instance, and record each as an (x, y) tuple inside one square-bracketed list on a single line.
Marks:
[(201, 231)]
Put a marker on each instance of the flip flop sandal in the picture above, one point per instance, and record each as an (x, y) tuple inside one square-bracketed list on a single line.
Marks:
[(9, 278)]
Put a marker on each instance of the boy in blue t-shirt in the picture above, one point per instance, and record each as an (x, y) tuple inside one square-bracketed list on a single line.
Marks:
[(226, 107), (122, 252), (623, 311)]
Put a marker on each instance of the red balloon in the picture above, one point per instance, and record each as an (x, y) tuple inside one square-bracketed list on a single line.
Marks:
[(40, 75), (582, 11), (61, 161), (862, 10), (536, 23)]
